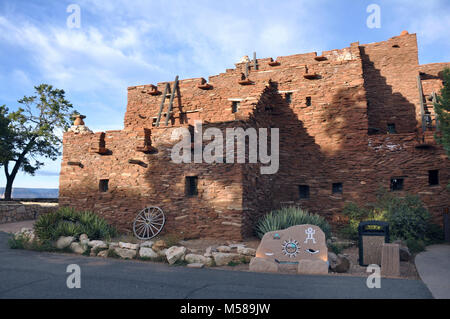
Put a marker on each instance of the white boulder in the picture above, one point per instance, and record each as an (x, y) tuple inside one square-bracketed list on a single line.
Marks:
[(64, 241), (175, 253)]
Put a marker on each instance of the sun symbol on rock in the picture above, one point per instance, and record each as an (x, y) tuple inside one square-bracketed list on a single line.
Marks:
[(290, 248)]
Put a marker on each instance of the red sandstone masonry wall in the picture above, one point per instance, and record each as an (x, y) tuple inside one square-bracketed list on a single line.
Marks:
[(327, 142), (214, 212), (390, 73)]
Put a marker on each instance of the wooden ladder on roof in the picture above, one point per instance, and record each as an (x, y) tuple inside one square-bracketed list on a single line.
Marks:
[(427, 110), (167, 92)]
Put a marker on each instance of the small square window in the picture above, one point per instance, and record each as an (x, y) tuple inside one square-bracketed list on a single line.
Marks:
[(308, 101), (391, 128), (191, 185), (235, 106), (337, 188), (433, 177), (303, 191), (103, 185), (288, 97), (396, 184)]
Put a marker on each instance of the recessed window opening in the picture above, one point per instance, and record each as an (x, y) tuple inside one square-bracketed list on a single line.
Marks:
[(337, 188), (433, 177), (396, 184), (303, 191), (191, 185), (308, 101), (103, 185), (235, 106), (288, 97), (391, 128)]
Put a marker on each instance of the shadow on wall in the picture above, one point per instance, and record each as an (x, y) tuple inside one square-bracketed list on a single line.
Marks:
[(384, 106)]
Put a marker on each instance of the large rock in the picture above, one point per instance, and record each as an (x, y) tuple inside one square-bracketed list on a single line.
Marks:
[(147, 252), (148, 244), (103, 253), (198, 259), (223, 259), (159, 245), (312, 267), (332, 260), (77, 248), (175, 253), (128, 246), (125, 253), (161, 253), (97, 244), (64, 242), (209, 251), (405, 255), (224, 249), (263, 265), (84, 238), (246, 251), (25, 233), (342, 264)]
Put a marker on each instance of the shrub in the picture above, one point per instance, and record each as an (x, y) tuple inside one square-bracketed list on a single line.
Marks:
[(68, 222), (407, 217), (290, 216), (415, 245)]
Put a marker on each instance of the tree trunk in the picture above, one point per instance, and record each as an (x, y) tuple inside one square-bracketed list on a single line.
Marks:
[(8, 189)]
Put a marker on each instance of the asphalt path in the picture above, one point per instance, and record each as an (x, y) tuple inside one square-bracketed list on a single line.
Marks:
[(29, 274)]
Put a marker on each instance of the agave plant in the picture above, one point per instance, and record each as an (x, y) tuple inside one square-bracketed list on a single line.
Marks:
[(69, 222), (290, 216)]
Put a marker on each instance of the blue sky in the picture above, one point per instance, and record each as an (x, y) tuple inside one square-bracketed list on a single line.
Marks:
[(125, 43)]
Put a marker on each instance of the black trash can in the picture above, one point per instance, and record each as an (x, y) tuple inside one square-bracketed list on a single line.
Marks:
[(372, 235)]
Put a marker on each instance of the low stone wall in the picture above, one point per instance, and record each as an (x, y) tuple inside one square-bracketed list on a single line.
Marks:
[(16, 211)]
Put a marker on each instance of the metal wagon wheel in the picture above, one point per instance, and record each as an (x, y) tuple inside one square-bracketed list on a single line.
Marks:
[(149, 222)]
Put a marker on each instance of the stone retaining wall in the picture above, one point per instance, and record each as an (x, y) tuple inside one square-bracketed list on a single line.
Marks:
[(18, 211)]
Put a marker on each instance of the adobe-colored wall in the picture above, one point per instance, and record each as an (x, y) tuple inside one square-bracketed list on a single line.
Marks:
[(357, 88)]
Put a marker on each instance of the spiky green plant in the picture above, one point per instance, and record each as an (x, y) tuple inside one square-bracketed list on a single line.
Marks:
[(69, 222), (290, 216)]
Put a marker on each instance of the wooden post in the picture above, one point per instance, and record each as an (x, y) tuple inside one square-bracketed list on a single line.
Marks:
[(390, 260), (255, 62), (175, 86), (162, 104), (422, 108)]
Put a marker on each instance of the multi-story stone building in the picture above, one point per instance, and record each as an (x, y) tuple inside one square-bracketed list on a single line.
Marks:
[(349, 120)]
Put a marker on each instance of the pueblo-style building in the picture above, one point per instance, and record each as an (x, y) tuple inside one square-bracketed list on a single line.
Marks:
[(349, 120)]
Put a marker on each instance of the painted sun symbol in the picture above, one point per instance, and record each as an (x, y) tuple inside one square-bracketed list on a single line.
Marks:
[(290, 248)]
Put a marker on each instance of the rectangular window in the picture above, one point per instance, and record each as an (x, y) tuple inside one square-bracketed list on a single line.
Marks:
[(154, 120), (337, 188), (303, 191), (391, 129), (288, 97), (191, 185), (433, 177), (308, 101), (103, 185), (235, 106), (396, 184)]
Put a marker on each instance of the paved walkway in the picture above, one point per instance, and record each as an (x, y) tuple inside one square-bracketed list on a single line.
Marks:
[(30, 274), (433, 266), (15, 227)]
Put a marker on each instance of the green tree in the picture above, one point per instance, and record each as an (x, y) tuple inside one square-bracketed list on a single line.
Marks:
[(442, 109), (34, 130)]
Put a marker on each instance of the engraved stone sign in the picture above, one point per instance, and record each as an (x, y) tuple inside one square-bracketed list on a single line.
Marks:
[(300, 245)]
